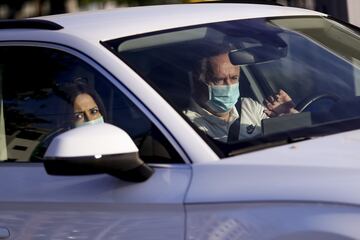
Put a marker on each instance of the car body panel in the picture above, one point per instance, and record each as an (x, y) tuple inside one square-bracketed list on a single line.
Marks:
[(293, 172), (130, 20), (287, 192), (38, 206), (273, 220)]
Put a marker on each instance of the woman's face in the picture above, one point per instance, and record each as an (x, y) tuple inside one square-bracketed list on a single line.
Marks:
[(85, 109)]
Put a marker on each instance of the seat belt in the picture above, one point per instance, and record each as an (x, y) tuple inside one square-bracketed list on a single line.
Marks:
[(234, 129)]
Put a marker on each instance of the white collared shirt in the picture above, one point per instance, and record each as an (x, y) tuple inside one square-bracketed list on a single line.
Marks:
[(252, 113)]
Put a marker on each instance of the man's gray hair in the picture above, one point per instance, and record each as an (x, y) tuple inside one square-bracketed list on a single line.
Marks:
[(202, 67)]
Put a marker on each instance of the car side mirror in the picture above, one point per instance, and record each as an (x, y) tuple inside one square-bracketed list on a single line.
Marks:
[(95, 149)]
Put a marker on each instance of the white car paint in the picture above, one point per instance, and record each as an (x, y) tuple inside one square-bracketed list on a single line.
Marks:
[(38, 206), (63, 145), (302, 171), (273, 221), (110, 24), (305, 190)]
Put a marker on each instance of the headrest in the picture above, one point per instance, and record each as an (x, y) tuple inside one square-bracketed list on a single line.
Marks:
[(173, 84)]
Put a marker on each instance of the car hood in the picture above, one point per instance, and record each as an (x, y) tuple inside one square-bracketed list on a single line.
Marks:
[(325, 169)]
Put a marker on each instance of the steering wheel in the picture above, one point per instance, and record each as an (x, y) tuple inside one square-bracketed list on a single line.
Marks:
[(307, 102)]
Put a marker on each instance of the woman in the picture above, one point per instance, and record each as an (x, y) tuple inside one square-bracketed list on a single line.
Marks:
[(85, 104)]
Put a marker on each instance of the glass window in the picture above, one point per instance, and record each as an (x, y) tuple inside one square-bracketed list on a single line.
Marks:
[(218, 76), (45, 92)]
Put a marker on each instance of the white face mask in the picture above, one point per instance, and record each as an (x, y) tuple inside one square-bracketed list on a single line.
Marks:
[(92, 122), (222, 98)]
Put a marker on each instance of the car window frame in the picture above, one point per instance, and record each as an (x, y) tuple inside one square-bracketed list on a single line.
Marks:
[(117, 84)]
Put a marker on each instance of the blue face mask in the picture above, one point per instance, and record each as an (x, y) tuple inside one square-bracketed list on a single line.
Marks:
[(223, 97), (95, 121)]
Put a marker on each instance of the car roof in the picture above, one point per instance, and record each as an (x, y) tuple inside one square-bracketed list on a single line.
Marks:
[(121, 22)]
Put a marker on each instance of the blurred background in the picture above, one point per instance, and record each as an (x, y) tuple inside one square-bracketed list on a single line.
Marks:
[(346, 10)]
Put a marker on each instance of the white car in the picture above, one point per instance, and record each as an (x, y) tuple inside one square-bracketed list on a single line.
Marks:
[(150, 171)]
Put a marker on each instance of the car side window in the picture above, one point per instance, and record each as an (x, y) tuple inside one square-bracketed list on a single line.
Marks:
[(37, 87)]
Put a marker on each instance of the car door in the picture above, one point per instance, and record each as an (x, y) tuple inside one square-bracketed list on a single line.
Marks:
[(35, 107)]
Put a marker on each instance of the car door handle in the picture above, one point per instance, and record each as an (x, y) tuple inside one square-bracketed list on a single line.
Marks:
[(4, 233)]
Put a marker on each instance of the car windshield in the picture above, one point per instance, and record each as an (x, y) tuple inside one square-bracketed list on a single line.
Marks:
[(283, 79)]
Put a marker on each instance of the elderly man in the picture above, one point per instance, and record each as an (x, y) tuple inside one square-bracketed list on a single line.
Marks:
[(216, 91)]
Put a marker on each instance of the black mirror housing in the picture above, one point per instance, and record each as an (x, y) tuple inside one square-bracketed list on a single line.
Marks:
[(128, 167)]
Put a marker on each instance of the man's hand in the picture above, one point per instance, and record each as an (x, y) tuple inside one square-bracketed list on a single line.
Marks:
[(280, 105)]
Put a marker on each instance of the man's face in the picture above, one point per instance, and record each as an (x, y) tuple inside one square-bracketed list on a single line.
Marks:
[(221, 71), (219, 91)]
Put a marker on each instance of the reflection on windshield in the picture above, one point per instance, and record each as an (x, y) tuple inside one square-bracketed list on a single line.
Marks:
[(241, 81)]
